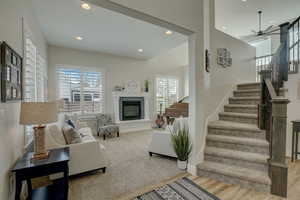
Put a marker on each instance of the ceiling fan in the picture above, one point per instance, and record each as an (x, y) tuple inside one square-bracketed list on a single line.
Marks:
[(261, 34)]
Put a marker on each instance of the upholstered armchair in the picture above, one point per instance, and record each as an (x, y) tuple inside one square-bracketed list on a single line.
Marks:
[(106, 126)]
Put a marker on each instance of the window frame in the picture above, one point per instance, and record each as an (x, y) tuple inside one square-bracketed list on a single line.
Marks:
[(156, 111), (82, 69)]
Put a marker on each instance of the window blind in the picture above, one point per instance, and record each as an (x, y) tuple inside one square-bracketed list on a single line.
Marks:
[(166, 92), (35, 80), (80, 91)]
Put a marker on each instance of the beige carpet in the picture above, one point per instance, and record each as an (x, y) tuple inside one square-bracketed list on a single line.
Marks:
[(130, 168)]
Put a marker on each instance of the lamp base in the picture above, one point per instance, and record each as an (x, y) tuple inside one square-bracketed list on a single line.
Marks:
[(39, 143)]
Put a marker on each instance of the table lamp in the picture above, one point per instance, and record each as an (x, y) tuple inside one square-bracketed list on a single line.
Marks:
[(38, 114)]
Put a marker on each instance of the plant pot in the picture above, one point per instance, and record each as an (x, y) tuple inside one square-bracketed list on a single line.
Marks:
[(182, 164)]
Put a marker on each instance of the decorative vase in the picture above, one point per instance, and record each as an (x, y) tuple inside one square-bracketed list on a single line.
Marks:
[(181, 164)]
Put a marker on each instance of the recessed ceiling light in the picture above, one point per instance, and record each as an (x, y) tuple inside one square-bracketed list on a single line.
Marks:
[(85, 6), (244, 0), (140, 50), (78, 38), (168, 32)]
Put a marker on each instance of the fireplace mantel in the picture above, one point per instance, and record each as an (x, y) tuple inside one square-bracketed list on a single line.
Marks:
[(116, 105)]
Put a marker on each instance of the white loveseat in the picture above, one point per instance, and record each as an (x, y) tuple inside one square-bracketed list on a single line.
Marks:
[(86, 156), (161, 139)]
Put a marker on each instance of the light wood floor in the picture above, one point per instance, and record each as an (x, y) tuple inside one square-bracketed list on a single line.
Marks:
[(232, 192)]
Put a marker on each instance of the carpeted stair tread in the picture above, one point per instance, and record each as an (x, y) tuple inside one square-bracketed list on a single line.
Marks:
[(248, 90), (245, 98), (246, 84), (238, 155), (238, 140), (251, 175), (240, 106), (234, 126), (249, 84), (232, 114)]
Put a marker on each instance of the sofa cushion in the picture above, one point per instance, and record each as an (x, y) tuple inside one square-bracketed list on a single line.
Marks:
[(85, 131), (71, 135), (86, 134), (56, 134)]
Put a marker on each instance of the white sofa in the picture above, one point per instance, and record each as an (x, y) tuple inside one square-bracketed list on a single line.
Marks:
[(161, 139), (84, 157)]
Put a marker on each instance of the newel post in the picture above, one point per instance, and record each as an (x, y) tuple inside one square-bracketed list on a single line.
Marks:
[(278, 164)]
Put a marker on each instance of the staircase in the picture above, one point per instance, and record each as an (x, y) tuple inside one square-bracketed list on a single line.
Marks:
[(236, 149)]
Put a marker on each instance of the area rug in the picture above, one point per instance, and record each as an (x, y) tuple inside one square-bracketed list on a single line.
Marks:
[(182, 189)]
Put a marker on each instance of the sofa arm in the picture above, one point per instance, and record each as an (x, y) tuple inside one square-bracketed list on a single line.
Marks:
[(161, 144), (87, 156)]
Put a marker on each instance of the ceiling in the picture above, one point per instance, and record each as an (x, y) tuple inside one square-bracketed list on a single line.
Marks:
[(102, 30), (238, 18)]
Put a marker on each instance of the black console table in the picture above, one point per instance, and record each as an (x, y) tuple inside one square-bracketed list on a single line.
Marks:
[(57, 162)]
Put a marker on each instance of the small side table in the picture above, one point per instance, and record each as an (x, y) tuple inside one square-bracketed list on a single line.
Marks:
[(295, 136), (57, 162)]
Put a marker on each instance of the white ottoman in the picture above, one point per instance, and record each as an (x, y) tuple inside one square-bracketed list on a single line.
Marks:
[(161, 144)]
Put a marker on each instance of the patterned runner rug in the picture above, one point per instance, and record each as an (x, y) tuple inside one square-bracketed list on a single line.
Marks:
[(182, 189)]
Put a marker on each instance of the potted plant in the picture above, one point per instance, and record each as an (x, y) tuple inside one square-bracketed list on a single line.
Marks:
[(182, 145)]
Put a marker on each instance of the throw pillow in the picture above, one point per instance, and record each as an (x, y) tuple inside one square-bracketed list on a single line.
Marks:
[(57, 134), (71, 123), (71, 135)]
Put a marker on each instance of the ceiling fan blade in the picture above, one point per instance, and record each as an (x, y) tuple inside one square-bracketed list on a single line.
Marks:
[(272, 33), (274, 30), (268, 29), (253, 31)]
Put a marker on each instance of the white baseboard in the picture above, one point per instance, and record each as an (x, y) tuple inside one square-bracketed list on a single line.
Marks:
[(192, 169)]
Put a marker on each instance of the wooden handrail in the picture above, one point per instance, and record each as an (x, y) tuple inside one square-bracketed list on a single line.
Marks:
[(271, 89)]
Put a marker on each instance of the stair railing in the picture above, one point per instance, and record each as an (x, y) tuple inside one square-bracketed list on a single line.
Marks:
[(273, 113)]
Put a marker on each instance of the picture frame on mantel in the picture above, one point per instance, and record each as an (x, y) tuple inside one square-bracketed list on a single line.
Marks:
[(11, 74)]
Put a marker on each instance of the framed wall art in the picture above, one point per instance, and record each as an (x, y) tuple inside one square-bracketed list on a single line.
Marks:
[(224, 57), (11, 74)]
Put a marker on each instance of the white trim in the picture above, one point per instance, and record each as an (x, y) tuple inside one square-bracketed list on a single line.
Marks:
[(192, 169)]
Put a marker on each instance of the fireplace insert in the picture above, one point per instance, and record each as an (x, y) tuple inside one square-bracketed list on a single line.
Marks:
[(131, 108)]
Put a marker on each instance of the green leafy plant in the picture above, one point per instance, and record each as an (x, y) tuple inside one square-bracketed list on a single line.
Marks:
[(181, 142)]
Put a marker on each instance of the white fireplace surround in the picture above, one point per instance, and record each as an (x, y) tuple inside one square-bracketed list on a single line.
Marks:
[(116, 105)]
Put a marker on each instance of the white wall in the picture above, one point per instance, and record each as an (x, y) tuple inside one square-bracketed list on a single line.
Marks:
[(11, 134), (119, 69), (263, 48)]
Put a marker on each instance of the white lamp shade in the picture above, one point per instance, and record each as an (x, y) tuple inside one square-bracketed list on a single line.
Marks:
[(36, 113)]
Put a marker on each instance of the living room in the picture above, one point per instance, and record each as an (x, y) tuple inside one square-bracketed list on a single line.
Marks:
[(85, 74)]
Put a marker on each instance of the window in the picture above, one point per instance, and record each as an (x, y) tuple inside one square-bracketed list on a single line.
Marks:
[(35, 80), (166, 92), (80, 91)]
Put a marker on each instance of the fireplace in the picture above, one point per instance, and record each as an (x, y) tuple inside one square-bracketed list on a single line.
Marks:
[(132, 108)]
